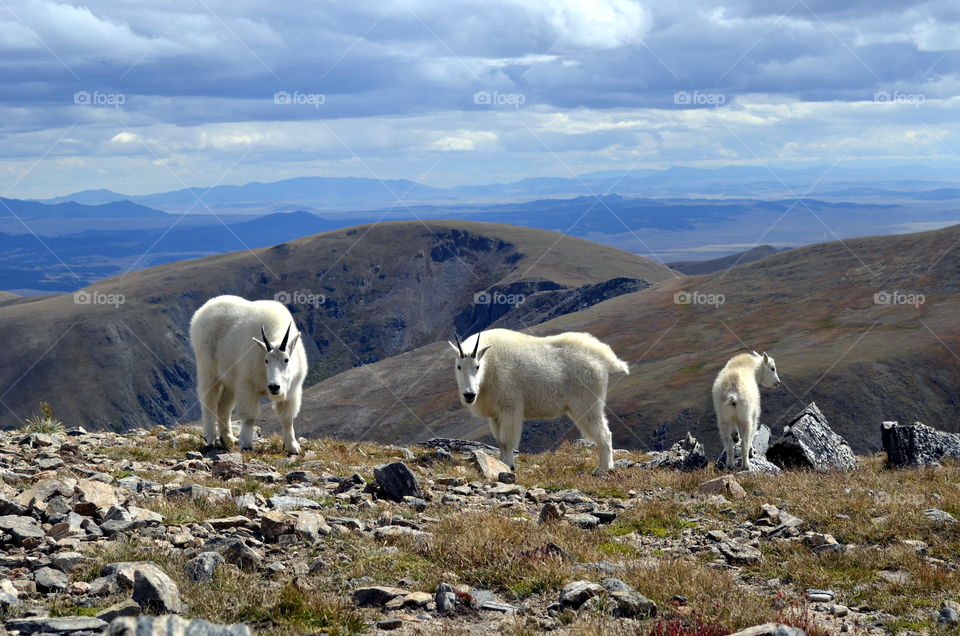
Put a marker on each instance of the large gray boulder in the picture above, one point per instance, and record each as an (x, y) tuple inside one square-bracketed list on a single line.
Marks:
[(809, 442), (917, 444), (397, 481)]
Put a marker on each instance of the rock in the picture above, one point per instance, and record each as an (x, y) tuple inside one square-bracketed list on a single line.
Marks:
[(22, 529), (50, 580), (948, 615), (507, 477), (236, 521), (917, 444), (456, 445), (399, 531), (770, 629), (488, 465), (376, 595), (939, 516), (196, 491), (36, 496), (630, 603), (388, 624), (809, 442), (288, 502), (235, 551), (171, 626), (275, 523), (59, 625), (94, 497), (310, 526), (575, 594), (819, 596), (128, 607), (726, 485), (9, 603), (445, 598), (397, 481), (153, 589), (687, 454), (583, 520), (202, 567), (739, 553)]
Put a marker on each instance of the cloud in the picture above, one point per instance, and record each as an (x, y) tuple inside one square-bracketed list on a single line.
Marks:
[(599, 81)]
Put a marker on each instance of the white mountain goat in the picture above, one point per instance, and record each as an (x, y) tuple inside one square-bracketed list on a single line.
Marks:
[(736, 400), (234, 367), (511, 376)]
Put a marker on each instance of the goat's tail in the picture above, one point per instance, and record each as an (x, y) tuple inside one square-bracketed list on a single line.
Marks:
[(731, 398)]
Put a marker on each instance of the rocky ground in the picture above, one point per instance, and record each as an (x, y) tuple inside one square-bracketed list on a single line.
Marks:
[(99, 529)]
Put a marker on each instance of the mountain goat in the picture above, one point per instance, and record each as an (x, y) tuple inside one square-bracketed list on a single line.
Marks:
[(514, 375), (236, 367), (736, 400)]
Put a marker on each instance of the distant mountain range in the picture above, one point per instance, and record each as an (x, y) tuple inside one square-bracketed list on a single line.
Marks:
[(352, 194)]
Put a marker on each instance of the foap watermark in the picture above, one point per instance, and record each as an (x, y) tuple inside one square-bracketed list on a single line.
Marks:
[(94, 297), (496, 98), (296, 98), (299, 297), (884, 297), (96, 98), (898, 97), (498, 298), (699, 98), (698, 298)]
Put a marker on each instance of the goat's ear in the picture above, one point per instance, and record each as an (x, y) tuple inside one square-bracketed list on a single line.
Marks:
[(482, 351), (293, 342), (455, 348), (756, 355), (262, 346), (766, 358)]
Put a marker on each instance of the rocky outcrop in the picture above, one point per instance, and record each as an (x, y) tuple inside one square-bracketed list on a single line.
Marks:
[(917, 444), (809, 442)]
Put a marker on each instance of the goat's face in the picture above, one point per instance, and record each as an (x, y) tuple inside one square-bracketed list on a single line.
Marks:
[(468, 369), (768, 372), (280, 371)]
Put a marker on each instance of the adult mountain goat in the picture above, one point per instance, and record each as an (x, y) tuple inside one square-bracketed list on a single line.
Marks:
[(234, 367), (508, 376), (736, 400)]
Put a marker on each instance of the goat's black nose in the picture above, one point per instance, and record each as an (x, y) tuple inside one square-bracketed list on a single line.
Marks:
[(469, 397), (274, 388)]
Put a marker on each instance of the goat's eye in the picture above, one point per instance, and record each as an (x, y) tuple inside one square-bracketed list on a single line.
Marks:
[(458, 367), (266, 362), (286, 360)]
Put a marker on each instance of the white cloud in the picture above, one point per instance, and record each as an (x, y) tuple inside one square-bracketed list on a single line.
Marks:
[(467, 140), (125, 137)]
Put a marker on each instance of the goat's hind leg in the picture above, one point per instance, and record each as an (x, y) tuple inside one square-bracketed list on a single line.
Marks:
[(224, 409), (208, 392)]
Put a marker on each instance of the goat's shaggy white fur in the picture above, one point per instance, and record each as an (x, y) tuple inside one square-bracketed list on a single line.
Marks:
[(736, 400), (236, 367), (507, 376)]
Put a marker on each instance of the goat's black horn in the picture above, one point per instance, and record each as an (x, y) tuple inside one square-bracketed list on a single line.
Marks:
[(476, 345), (263, 334), (283, 343), (457, 338)]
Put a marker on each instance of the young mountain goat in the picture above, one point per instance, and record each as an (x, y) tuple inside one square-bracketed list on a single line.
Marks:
[(511, 376), (235, 367), (736, 400)]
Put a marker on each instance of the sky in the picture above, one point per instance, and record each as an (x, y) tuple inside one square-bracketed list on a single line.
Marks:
[(150, 96)]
